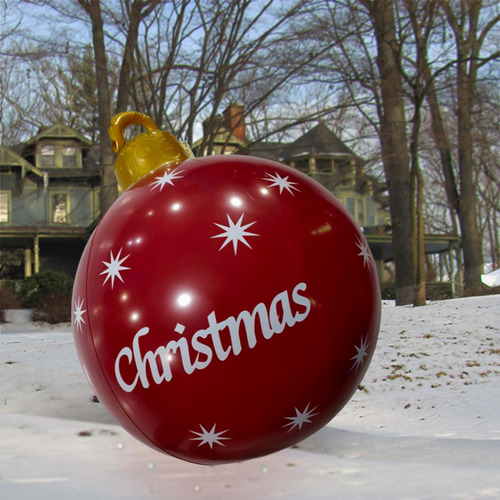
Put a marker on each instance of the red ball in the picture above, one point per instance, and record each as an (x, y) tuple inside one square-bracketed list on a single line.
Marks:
[(225, 309)]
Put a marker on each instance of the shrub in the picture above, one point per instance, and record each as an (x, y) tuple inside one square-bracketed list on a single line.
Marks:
[(7, 298), (7, 301), (48, 294), (11, 263), (52, 308), (41, 285)]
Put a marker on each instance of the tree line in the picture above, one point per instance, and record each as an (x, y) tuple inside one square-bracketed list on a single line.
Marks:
[(412, 85)]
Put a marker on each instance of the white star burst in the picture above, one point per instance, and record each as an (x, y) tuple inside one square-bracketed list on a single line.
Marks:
[(301, 418), (360, 354), (78, 312), (235, 233), (365, 252), (281, 182), (166, 178), (114, 267), (209, 437)]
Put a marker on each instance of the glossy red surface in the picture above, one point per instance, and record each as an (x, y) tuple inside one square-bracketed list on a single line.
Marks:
[(226, 309)]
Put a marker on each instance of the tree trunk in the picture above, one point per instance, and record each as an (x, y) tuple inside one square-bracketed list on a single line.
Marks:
[(417, 178), (417, 195), (468, 41), (394, 145), (109, 189), (138, 11), (420, 288), (471, 240), (462, 201), (442, 142)]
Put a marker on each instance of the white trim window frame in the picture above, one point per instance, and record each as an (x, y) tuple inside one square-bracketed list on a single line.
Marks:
[(5, 207), (48, 156), (59, 207)]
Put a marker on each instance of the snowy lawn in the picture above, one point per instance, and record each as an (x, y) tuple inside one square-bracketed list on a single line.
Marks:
[(425, 424)]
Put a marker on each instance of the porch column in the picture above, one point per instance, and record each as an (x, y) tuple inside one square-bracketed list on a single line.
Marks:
[(379, 266), (452, 273), (312, 164), (27, 262), (36, 248)]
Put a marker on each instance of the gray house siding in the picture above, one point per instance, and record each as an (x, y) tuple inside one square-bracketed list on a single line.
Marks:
[(49, 200)]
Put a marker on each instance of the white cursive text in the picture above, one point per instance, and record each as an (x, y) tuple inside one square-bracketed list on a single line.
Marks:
[(207, 343)]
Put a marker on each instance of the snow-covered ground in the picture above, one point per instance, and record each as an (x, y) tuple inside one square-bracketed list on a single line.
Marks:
[(424, 425)]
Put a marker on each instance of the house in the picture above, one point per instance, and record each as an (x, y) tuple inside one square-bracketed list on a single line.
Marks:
[(322, 155), (318, 153), (49, 189), (49, 197), (224, 134)]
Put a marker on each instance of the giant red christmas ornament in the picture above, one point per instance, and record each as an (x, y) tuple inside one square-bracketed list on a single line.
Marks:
[(225, 307)]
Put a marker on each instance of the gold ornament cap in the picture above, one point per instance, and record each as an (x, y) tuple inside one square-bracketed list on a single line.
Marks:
[(144, 153)]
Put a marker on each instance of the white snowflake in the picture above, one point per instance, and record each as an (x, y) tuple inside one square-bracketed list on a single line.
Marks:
[(365, 252), (166, 178), (78, 312), (281, 182), (360, 354), (300, 418), (235, 233), (209, 437), (114, 267)]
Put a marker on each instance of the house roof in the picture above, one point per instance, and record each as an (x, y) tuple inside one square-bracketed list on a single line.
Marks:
[(268, 150), (58, 131), (10, 158), (222, 137), (320, 140)]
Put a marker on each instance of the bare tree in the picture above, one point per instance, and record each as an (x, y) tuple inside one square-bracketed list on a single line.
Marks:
[(197, 57), (183, 61), (367, 62), (135, 11), (488, 179), (461, 183), (470, 33), (419, 31), (412, 42), (394, 143)]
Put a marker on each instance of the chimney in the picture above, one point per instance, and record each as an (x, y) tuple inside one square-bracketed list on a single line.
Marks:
[(234, 121)]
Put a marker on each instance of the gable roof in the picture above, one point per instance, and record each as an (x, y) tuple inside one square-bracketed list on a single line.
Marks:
[(221, 137), (59, 131), (320, 140), (10, 158), (268, 150)]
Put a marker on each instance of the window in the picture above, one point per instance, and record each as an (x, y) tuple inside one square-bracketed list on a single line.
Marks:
[(59, 208), (370, 218), (69, 156), (60, 154), (323, 165), (4, 206), (48, 154), (350, 205)]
